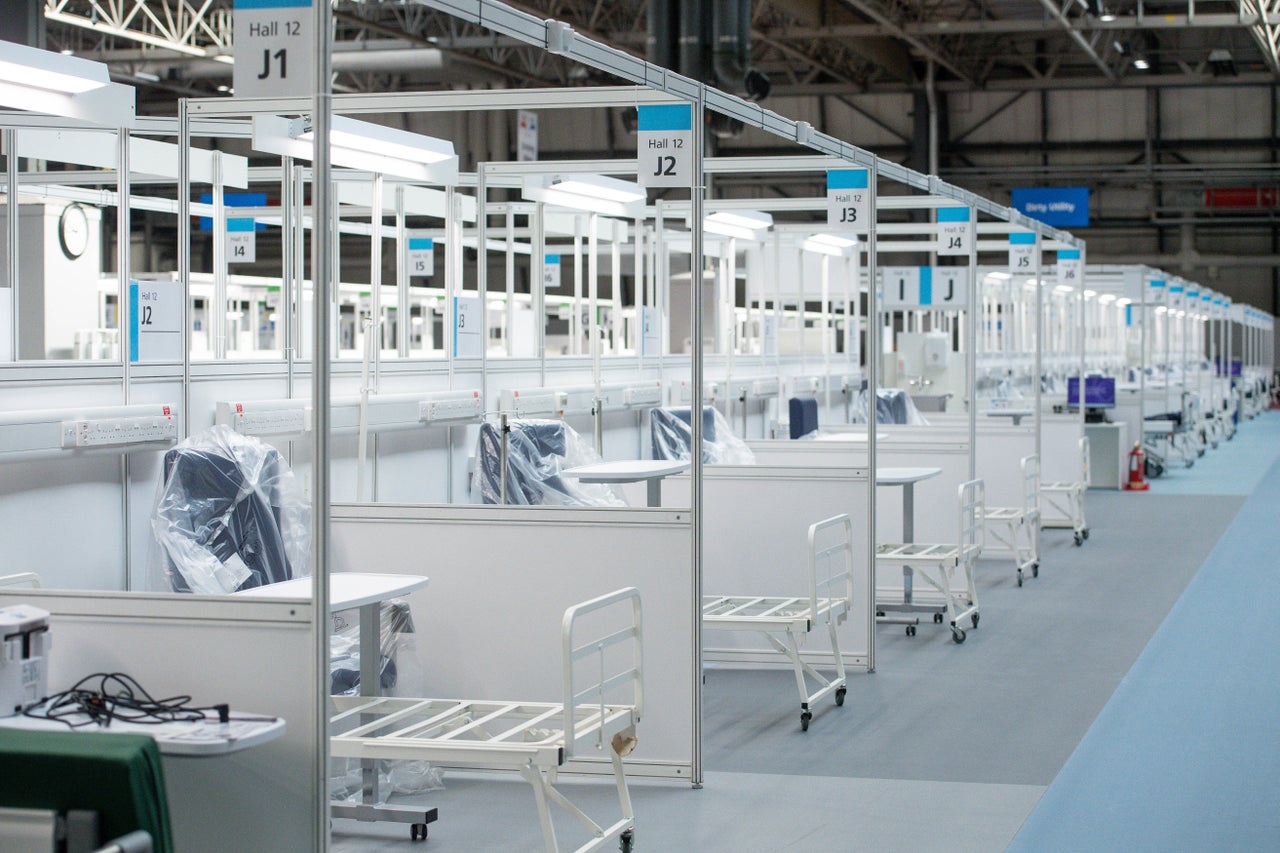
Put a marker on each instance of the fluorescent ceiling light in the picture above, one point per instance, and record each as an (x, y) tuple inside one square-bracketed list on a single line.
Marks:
[(752, 219), (378, 139), (1063, 288), (1160, 309), (592, 193), (1124, 300), (1107, 17), (1089, 294), (742, 224), (1000, 276), (362, 145), (1106, 298), (53, 72), (829, 244), (1141, 63)]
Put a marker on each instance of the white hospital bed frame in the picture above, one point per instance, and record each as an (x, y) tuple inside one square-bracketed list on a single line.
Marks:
[(1018, 527), (531, 738), (1067, 499), (793, 618), (937, 564)]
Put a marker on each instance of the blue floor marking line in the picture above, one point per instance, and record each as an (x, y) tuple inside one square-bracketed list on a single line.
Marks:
[(1186, 754)]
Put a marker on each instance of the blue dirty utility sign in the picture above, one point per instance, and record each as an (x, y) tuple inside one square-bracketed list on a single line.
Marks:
[(1066, 207)]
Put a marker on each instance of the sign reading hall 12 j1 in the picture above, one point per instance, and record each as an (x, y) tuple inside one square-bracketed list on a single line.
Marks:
[(273, 48)]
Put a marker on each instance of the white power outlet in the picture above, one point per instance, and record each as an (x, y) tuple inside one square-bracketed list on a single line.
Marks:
[(115, 432), (277, 422), (643, 395), (450, 410)]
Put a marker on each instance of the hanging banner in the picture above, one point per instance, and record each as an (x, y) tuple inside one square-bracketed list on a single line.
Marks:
[(468, 337), (155, 321), (925, 287), (955, 231), (664, 145), (650, 332), (241, 241), (1022, 254), (849, 200), (421, 256), (550, 273), (273, 48), (1070, 268), (526, 136)]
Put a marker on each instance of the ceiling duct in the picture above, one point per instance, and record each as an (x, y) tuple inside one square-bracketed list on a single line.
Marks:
[(711, 43)]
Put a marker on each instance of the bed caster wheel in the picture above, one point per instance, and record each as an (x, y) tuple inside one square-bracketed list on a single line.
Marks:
[(937, 618), (911, 630), (1079, 539), (840, 697), (958, 635), (1019, 577), (626, 841), (1085, 533), (1035, 570), (417, 832), (974, 620), (805, 717)]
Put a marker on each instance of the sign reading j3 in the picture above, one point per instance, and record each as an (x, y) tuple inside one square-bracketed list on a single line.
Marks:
[(925, 287), (664, 145), (849, 200), (273, 48)]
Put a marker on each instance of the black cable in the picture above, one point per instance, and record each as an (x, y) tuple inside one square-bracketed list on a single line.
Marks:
[(106, 696)]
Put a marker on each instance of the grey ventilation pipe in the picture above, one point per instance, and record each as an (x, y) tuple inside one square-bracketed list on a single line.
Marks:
[(731, 49), (690, 42), (661, 43)]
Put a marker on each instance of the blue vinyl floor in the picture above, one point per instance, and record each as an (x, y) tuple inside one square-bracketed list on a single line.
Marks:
[(1186, 754), (1235, 467)]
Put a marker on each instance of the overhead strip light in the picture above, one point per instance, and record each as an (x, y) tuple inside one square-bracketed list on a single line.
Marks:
[(42, 81), (829, 244), (362, 145), (742, 224), (590, 193)]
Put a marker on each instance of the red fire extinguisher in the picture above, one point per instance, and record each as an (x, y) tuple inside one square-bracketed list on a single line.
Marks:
[(1137, 470)]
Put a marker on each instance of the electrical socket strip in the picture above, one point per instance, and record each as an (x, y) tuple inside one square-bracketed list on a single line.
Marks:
[(538, 402), (278, 422), (764, 388), (115, 432), (431, 411), (643, 395), (683, 392)]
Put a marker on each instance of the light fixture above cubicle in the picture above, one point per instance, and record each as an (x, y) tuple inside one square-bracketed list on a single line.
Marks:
[(362, 145), (590, 193), (830, 244), (42, 81), (740, 224)]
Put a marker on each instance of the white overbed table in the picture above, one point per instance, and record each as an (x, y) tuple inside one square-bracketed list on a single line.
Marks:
[(651, 471)]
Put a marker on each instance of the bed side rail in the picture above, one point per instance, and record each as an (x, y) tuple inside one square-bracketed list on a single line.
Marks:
[(836, 558), (611, 672)]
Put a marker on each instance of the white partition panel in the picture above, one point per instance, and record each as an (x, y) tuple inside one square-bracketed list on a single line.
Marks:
[(756, 524), (1060, 448), (488, 626), (251, 654)]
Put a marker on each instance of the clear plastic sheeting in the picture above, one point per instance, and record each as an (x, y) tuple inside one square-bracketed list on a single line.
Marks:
[(537, 452), (399, 675), (672, 431), (396, 631), (229, 515), (893, 406)]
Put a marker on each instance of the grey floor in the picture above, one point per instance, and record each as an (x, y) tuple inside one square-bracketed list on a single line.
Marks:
[(944, 747)]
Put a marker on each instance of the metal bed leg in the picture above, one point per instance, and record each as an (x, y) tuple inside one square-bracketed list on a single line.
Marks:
[(534, 776)]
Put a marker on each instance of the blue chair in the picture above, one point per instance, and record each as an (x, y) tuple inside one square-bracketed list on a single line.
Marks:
[(803, 413), (672, 432), (530, 481)]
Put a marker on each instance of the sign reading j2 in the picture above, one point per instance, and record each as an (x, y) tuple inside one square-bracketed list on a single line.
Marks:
[(1066, 207)]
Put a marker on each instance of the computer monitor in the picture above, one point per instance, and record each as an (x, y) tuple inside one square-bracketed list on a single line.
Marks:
[(1099, 392)]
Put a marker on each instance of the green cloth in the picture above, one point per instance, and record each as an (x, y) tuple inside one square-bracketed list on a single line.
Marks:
[(118, 776)]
